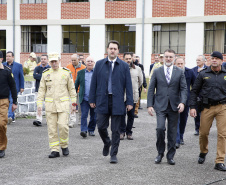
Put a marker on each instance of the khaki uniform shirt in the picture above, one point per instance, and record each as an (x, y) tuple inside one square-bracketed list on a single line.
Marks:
[(31, 65), (57, 88)]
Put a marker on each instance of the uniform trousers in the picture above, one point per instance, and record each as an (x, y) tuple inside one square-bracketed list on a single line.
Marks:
[(4, 105), (58, 121), (103, 124), (207, 116), (172, 117)]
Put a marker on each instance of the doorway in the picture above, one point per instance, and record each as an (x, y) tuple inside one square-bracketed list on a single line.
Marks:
[(3, 43)]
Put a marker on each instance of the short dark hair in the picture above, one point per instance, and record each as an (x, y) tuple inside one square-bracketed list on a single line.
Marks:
[(10, 52), (44, 55), (81, 55), (170, 51), (127, 53), (113, 42)]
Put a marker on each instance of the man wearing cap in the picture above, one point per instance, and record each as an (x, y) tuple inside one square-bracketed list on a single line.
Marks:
[(17, 70), (211, 82), (7, 83), (57, 88), (31, 63)]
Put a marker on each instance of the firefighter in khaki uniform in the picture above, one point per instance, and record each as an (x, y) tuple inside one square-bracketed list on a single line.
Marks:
[(57, 87)]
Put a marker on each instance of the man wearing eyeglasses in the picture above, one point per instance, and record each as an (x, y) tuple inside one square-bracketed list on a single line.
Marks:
[(83, 81), (170, 99)]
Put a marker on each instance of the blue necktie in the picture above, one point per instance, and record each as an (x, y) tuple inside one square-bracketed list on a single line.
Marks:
[(109, 78)]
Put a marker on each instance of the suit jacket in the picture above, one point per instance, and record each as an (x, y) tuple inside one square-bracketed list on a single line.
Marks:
[(174, 93), (195, 69), (121, 83), (190, 79), (80, 82), (18, 75)]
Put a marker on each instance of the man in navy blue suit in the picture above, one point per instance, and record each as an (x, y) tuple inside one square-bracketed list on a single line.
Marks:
[(200, 66), (17, 70), (182, 121), (111, 80)]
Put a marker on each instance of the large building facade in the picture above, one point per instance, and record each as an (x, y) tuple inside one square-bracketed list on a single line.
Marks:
[(146, 27)]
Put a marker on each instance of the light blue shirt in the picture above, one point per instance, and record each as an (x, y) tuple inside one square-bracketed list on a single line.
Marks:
[(88, 77)]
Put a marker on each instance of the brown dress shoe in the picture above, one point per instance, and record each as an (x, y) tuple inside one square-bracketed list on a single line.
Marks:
[(129, 137)]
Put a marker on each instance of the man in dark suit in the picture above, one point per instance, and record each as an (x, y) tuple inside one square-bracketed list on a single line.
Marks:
[(17, 70), (83, 82), (200, 60), (170, 99), (111, 80), (182, 121)]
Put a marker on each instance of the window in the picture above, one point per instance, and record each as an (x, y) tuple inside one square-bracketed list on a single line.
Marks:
[(3, 1), (69, 1), (124, 34), (214, 37), (167, 36), (34, 39), (120, 0), (76, 38), (33, 1)]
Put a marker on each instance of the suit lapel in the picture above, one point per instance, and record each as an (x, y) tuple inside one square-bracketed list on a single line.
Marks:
[(174, 71)]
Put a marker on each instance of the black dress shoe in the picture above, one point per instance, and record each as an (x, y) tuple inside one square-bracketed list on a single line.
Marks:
[(202, 157), (106, 149), (196, 133), (54, 154), (83, 134), (171, 161), (2, 153), (135, 116), (37, 123), (220, 166), (158, 159), (140, 108), (113, 159), (182, 142), (65, 151), (177, 145)]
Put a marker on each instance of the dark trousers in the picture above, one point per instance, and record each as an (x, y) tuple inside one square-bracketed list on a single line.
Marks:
[(85, 108), (182, 121), (103, 124), (172, 117), (127, 128), (197, 121)]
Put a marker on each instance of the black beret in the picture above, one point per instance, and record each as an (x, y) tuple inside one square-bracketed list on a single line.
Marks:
[(1, 54), (217, 54)]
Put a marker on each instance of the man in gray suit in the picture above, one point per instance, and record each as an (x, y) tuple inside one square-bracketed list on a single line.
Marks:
[(170, 98)]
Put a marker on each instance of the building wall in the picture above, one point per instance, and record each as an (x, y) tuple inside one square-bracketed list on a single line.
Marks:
[(99, 13), (3, 12), (79, 10), (33, 11)]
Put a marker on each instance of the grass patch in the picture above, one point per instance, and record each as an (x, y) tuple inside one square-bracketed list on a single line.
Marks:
[(144, 95), (29, 78)]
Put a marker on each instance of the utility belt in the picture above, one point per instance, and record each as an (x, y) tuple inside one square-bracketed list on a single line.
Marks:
[(207, 103)]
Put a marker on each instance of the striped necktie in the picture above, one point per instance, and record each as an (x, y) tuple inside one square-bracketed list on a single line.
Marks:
[(168, 75)]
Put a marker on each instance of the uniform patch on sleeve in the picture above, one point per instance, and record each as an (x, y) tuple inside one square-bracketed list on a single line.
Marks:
[(206, 78), (46, 70)]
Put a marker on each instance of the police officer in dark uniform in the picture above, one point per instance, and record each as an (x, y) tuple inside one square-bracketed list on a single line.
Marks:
[(212, 84), (7, 83)]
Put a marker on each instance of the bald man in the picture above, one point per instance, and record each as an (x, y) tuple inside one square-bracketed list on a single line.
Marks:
[(74, 67), (83, 81)]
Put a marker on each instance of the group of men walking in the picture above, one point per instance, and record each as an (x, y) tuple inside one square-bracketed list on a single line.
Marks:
[(111, 90)]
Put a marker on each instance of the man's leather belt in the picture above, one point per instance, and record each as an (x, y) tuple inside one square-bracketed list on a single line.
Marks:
[(213, 103)]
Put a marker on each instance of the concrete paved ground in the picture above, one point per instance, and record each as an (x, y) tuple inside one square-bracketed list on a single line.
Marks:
[(27, 162)]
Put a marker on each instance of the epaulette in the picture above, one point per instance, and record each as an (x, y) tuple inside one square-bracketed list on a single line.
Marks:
[(66, 69), (46, 70)]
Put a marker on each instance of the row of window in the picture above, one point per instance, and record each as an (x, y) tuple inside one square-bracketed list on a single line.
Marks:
[(75, 38), (63, 1)]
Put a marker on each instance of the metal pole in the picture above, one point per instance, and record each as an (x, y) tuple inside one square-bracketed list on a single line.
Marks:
[(14, 26), (142, 54)]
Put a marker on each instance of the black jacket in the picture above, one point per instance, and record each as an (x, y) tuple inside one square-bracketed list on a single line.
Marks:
[(38, 75), (212, 86), (7, 84)]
